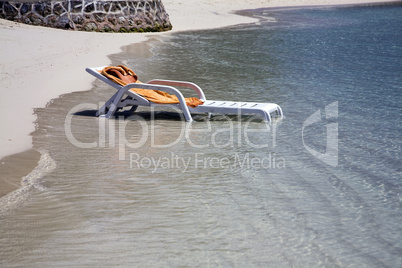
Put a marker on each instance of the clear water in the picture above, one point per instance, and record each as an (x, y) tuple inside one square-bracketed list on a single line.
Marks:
[(322, 187)]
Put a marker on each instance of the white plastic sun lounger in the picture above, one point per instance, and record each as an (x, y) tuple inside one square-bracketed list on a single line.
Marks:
[(124, 97)]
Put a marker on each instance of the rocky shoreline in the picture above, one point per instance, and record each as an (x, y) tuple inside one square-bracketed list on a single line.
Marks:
[(90, 15)]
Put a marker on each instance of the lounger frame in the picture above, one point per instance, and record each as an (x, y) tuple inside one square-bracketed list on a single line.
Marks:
[(124, 97)]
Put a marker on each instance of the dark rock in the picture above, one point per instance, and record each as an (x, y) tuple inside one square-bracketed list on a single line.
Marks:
[(35, 19), (77, 19), (10, 10), (51, 20), (62, 22), (90, 27), (58, 9), (27, 21), (76, 6), (112, 19), (25, 8), (122, 4), (126, 11), (42, 9), (114, 7), (106, 28), (89, 8), (99, 6), (99, 17), (106, 6)]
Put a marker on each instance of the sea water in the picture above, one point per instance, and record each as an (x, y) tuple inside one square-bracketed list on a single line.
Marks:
[(320, 187)]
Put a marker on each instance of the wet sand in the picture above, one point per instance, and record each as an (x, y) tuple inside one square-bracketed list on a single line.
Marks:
[(15, 167)]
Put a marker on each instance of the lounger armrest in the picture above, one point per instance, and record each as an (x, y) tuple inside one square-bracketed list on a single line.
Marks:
[(193, 86), (168, 89)]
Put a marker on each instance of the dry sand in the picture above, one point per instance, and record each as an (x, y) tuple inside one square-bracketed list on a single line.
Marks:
[(38, 64)]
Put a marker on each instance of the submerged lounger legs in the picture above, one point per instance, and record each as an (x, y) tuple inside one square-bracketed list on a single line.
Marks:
[(101, 112)]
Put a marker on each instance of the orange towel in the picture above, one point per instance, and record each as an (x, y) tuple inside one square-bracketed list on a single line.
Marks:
[(122, 75)]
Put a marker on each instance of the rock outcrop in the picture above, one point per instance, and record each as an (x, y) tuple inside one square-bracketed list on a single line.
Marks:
[(90, 15)]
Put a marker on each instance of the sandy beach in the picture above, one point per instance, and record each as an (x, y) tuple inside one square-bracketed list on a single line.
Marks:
[(39, 64)]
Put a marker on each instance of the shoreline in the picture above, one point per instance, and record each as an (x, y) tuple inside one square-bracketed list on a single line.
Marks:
[(61, 54)]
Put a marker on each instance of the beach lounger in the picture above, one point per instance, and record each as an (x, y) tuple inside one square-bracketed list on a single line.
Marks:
[(125, 97)]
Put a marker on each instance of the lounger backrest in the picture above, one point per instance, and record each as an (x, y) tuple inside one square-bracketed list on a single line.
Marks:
[(96, 72)]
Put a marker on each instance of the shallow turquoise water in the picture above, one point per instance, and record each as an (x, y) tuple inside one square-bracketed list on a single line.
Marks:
[(322, 187)]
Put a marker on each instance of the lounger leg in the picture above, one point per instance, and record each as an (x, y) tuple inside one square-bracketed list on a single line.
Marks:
[(133, 109), (266, 116), (280, 111), (115, 104), (184, 108), (112, 110), (187, 114), (103, 109), (269, 118)]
